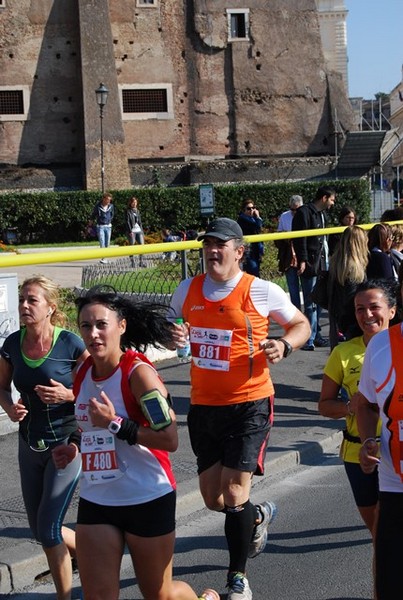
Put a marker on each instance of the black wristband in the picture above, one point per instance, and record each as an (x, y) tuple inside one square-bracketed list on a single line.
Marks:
[(75, 438), (128, 431)]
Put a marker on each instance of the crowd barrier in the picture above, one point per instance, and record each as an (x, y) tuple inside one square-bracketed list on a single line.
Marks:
[(40, 258)]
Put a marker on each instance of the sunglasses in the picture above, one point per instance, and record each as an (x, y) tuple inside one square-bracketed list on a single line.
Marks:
[(250, 207)]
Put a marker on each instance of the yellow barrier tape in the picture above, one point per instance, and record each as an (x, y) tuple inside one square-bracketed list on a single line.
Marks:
[(41, 258)]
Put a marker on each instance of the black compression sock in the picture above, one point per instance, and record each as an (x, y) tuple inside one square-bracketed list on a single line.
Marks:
[(239, 524)]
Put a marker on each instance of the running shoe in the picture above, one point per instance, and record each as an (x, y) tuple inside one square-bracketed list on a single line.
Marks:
[(259, 539), (238, 587)]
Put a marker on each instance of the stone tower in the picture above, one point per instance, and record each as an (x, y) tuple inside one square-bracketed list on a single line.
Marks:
[(333, 30)]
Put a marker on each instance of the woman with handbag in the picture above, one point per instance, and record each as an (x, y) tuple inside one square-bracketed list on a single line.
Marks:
[(134, 227)]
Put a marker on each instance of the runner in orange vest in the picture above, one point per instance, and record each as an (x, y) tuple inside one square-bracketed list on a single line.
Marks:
[(227, 315)]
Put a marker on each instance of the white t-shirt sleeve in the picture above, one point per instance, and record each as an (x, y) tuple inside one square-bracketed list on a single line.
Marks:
[(177, 300), (377, 363), (268, 298), (272, 301)]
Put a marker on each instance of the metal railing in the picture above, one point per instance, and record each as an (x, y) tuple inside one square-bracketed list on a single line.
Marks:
[(151, 277)]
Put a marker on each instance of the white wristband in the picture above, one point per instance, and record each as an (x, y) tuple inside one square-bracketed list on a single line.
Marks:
[(369, 439)]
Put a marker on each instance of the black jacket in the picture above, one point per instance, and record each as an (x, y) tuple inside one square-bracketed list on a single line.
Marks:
[(310, 249)]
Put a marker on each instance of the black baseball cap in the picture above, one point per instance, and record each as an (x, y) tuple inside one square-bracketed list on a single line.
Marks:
[(223, 229)]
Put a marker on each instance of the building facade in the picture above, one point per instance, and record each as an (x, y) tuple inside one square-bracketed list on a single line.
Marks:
[(333, 30), (192, 79), (396, 120)]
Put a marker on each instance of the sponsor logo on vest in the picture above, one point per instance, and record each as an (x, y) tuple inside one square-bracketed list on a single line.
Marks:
[(197, 307)]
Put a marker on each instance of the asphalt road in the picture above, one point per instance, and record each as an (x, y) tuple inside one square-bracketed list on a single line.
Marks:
[(318, 548)]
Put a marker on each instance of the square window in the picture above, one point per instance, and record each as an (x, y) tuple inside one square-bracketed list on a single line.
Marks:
[(238, 23), (11, 102), (147, 2), (142, 101), (14, 103)]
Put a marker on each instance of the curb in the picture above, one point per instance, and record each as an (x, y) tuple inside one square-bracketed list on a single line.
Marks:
[(189, 497)]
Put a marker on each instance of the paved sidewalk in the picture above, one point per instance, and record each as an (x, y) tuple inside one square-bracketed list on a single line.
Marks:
[(66, 274)]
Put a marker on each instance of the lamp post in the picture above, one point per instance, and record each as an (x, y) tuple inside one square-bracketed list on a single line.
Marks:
[(102, 97)]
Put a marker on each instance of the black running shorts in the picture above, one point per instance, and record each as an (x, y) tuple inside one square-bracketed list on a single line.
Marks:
[(150, 519), (235, 435), (365, 486)]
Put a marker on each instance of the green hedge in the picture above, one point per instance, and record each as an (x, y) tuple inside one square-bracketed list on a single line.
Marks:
[(63, 216)]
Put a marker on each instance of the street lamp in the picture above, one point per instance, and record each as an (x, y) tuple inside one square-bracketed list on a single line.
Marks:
[(102, 97)]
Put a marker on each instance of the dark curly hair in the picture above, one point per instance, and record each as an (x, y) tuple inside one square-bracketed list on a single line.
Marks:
[(146, 323)]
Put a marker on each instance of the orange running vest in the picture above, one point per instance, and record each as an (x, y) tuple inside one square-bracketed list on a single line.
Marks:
[(227, 365), (393, 407)]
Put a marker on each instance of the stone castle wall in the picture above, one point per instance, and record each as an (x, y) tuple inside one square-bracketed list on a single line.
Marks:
[(269, 94)]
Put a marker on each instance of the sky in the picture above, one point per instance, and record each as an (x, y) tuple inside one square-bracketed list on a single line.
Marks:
[(374, 46)]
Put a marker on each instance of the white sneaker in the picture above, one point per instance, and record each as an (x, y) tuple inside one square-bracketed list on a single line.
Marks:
[(260, 533), (103, 261), (238, 587)]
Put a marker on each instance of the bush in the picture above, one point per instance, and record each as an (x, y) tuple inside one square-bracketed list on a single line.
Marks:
[(63, 216)]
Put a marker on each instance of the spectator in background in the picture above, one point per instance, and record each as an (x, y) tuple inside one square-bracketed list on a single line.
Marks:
[(313, 256), (396, 250), (392, 214), (380, 265), (102, 216), (168, 236), (251, 224), (347, 217), (287, 259), (347, 269), (134, 226)]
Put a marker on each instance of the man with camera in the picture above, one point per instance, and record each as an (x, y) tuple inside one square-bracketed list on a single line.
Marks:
[(251, 223)]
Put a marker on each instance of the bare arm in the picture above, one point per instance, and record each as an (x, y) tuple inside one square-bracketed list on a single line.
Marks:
[(297, 332), (15, 412), (331, 405), (367, 420), (143, 380)]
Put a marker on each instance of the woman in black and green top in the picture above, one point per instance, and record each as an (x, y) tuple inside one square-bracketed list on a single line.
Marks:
[(39, 360)]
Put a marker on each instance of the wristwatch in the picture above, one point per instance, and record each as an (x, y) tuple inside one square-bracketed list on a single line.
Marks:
[(287, 347), (114, 426)]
